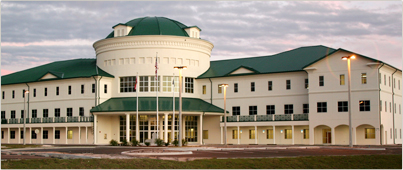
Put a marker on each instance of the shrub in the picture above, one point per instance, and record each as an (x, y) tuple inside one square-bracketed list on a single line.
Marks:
[(184, 142), (125, 143), (166, 144), (159, 142), (175, 142), (113, 142), (147, 143), (135, 142)]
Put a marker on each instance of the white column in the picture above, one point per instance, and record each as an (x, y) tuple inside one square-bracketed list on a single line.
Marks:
[(41, 135), (255, 133), (201, 130), (128, 127), (95, 129), (239, 137), (19, 137), (79, 135), (54, 129), (293, 135), (333, 136), (311, 135), (355, 136), (137, 128), (166, 127), (160, 134), (222, 135), (274, 134), (86, 134), (66, 135), (8, 135), (30, 135)]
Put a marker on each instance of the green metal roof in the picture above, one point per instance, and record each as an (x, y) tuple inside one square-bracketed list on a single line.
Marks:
[(61, 69), (288, 61), (149, 104), (154, 26)]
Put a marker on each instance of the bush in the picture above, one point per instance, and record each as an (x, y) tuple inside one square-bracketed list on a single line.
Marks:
[(135, 142), (166, 144), (113, 142), (184, 142), (159, 142), (125, 143), (147, 143), (175, 142)]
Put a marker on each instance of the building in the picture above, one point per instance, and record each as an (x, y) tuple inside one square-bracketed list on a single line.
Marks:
[(293, 97)]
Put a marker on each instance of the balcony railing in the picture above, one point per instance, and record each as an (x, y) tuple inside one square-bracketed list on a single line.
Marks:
[(48, 120), (266, 118)]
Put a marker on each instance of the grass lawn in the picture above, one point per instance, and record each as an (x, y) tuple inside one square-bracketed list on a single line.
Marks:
[(19, 146), (318, 162)]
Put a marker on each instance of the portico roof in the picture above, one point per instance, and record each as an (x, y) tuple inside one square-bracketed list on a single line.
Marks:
[(128, 104)]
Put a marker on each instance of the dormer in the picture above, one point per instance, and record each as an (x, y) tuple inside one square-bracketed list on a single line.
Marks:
[(121, 30), (193, 31)]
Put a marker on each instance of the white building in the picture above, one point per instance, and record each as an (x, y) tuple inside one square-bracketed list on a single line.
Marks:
[(294, 97)]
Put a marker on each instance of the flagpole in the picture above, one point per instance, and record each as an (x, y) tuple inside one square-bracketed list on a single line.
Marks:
[(173, 106), (156, 78), (137, 110)]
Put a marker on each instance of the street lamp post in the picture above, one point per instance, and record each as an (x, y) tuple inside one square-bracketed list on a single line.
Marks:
[(180, 68), (350, 143), (24, 117), (224, 86)]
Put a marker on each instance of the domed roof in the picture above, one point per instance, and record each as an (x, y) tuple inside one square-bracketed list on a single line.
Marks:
[(154, 26)]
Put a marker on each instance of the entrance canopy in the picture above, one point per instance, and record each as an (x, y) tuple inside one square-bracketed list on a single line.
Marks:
[(128, 104)]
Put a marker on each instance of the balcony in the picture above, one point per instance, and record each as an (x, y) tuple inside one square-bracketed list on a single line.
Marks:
[(266, 118), (49, 120)]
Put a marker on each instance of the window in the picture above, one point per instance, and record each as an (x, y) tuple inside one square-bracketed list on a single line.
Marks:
[(251, 134), (93, 88), (219, 89), (288, 109), (270, 109), (81, 111), (384, 79), (380, 78), (389, 81), (45, 134), (394, 109), (12, 134), (12, 114), (188, 85), (46, 91), (69, 112), (3, 114), (105, 88), (13, 94), (2, 134), (191, 132), (363, 78), (342, 106), (57, 134), (57, 91), (252, 86), (45, 113), (127, 84), (34, 113), (365, 105), (236, 110), (34, 93), (394, 83), (288, 134), (380, 105), (305, 108), (22, 113), (321, 81), (252, 110), (369, 133), (143, 83), (2, 96), (386, 106), (82, 89), (204, 89), (288, 84), (390, 132), (154, 84), (69, 134), (322, 107), (306, 133), (205, 134), (234, 134), (167, 84), (23, 93), (33, 135), (270, 85), (22, 134), (235, 87), (306, 83), (269, 134), (398, 83), (57, 112)]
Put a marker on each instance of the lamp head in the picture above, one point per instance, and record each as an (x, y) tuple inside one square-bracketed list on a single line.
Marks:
[(223, 85), (26, 91), (348, 57), (180, 67)]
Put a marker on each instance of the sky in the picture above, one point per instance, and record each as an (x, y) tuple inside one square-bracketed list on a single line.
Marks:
[(36, 33)]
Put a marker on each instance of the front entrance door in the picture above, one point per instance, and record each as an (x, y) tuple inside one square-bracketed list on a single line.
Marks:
[(327, 136)]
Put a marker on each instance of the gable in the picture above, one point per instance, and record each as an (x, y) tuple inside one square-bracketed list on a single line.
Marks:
[(48, 76), (242, 70)]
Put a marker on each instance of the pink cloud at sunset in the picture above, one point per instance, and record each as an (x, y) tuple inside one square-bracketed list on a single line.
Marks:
[(5, 72)]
